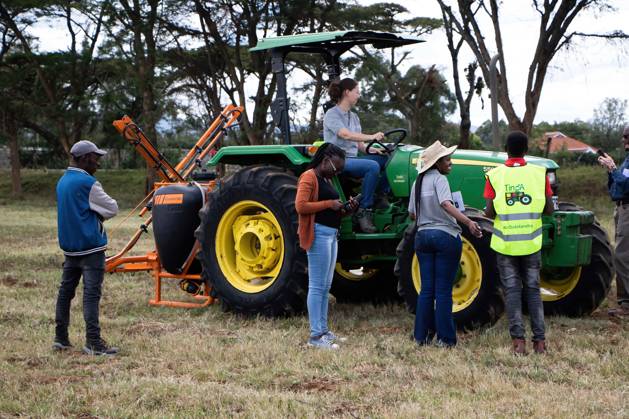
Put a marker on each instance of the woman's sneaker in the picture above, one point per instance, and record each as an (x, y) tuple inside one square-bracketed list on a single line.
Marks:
[(331, 336), (322, 342), (99, 347)]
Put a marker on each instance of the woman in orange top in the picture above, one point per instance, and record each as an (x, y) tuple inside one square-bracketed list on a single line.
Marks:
[(320, 211)]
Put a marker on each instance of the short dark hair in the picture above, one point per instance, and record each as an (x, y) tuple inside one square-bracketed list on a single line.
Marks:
[(326, 150), (337, 87), (517, 144)]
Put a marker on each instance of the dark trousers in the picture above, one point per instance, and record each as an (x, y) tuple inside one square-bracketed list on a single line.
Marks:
[(92, 268), (621, 255), (518, 274), (439, 254)]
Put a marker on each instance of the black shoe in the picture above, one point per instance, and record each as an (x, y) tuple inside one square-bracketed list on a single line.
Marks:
[(61, 345), (99, 347)]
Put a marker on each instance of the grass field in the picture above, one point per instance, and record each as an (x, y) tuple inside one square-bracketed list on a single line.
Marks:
[(198, 363)]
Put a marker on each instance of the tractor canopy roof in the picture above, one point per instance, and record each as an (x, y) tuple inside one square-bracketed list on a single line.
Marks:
[(338, 41)]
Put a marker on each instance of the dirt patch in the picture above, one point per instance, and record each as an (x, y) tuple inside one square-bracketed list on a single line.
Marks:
[(26, 361), (315, 385), (10, 281)]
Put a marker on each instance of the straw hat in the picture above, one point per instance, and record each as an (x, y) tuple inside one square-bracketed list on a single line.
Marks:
[(433, 153)]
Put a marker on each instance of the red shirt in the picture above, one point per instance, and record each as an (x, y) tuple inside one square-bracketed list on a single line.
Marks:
[(490, 193)]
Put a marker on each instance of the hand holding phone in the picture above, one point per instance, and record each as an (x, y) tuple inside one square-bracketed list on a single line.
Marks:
[(605, 160), (347, 206)]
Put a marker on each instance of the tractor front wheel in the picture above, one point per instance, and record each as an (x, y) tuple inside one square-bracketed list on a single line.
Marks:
[(249, 248)]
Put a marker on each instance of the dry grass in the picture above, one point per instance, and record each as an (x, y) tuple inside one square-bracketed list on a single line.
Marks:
[(199, 363)]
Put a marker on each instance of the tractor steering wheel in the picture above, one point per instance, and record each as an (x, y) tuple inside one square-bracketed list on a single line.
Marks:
[(388, 148)]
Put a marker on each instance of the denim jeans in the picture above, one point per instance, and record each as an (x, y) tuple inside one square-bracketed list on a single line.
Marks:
[(439, 254), (371, 169), (517, 272), (321, 263), (92, 267)]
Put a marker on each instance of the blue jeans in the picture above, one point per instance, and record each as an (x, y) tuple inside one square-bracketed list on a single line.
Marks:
[(321, 263), (517, 272), (92, 267), (439, 255), (371, 169)]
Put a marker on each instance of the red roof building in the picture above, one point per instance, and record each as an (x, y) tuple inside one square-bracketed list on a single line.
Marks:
[(561, 142)]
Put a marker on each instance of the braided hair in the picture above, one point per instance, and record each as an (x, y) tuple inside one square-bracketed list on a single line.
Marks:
[(326, 150)]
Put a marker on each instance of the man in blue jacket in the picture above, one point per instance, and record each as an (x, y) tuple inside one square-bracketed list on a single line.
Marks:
[(618, 184), (82, 206)]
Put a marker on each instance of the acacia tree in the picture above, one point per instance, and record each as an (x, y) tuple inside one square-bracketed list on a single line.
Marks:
[(554, 33), (8, 119), (67, 79)]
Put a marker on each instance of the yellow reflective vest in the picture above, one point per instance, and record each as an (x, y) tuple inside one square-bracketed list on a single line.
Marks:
[(519, 203)]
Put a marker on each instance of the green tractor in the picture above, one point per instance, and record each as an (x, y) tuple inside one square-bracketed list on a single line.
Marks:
[(248, 230)]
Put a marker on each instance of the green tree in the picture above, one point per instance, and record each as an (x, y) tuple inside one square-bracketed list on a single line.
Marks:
[(484, 132), (607, 125), (66, 80)]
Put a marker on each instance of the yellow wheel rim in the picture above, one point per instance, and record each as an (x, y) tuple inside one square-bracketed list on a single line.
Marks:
[(555, 285), (249, 246), (468, 280), (359, 274)]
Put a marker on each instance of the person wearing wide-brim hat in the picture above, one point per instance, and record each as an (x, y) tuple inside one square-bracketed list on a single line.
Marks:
[(437, 245)]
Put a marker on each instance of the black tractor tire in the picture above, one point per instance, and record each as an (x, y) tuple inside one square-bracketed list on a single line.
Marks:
[(487, 305), (594, 279), (259, 190), (378, 286)]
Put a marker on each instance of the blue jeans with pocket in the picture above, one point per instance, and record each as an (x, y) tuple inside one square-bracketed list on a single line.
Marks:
[(92, 268), (321, 264), (371, 169), (439, 255), (520, 274)]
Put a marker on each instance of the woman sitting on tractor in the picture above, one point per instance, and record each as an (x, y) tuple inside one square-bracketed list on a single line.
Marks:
[(341, 127)]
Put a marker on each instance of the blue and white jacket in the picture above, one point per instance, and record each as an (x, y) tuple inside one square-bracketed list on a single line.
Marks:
[(618, 181), (82, 206)]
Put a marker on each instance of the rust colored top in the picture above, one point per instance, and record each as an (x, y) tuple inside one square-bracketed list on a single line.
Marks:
[(307, 204)]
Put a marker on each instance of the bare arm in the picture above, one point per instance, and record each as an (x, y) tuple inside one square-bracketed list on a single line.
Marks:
[(346, 134), (489, 209), (462, 218), (549, 207)]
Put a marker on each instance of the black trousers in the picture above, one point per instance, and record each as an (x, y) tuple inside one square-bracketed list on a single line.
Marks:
[(92, 268)]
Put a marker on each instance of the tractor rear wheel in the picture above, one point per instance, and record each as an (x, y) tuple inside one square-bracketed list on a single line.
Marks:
[(374, 284), (579, 291), (476, 296), (249, 248)]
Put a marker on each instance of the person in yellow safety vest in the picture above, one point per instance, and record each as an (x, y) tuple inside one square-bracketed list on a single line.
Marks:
[(517, 194)]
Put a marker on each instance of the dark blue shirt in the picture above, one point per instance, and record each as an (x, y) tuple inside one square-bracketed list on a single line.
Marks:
[(618, 181)]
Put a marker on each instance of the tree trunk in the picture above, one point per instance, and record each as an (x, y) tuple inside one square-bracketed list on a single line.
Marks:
[(464, 130), (16, 180)]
